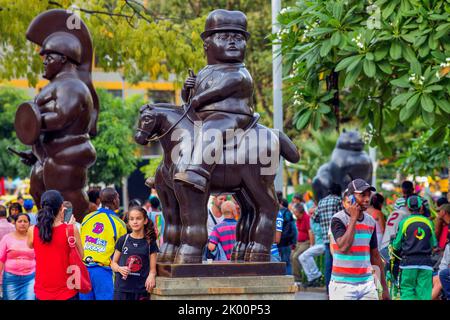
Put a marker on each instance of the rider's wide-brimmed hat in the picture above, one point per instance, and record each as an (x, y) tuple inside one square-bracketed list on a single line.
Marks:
[(223, 20)]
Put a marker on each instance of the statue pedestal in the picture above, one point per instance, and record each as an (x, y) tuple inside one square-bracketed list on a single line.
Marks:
[(224, 281)]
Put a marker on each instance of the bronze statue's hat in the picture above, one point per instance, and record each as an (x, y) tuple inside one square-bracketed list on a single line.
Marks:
[(63, 43), (53, 31), (223, 20)]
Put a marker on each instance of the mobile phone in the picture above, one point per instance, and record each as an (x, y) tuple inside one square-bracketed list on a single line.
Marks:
[(67, 215), (352, 199)]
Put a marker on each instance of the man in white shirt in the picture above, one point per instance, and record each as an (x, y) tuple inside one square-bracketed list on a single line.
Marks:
[(214, 213)]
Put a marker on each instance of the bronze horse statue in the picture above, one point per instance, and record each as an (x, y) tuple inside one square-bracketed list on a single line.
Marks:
[(185, 208)]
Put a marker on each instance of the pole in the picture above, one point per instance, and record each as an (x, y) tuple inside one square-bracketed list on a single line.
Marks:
[(277, 90), (125, 196), (373, 158)]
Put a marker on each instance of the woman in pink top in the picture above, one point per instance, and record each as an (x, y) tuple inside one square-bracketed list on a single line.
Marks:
[(18, 262)]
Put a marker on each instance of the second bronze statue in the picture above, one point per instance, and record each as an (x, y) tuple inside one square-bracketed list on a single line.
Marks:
[(219, 103)]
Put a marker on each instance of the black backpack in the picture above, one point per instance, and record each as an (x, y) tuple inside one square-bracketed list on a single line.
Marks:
[(289, 233)]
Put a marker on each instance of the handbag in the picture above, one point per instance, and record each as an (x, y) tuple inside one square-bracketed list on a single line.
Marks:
[(82, 280)]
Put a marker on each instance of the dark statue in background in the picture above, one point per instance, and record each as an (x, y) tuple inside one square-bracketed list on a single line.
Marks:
[(59, 122), (219, 97), (348, 161)]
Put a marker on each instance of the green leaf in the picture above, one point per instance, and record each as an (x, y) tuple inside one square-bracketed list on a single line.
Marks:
[(352, 76), (424, 51), (444, 105), (437, 137), (409, 54), (369, 68), (396, 50), (324, 108), (419, 41), (402, 82), (326, 47), (428, 117), (389, 9), (335, 38), (381, 53), (401, 98), (427, 103), (442, 32), (344, 63), (370, 56), (354, 64), (385, 67), (320, 31), (435, 87), (384, 147), (432, 42), (416, 67), (303, 120), (316, 123), (410, 108)]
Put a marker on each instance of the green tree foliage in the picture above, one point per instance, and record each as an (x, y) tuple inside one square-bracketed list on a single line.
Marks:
[(421, 158), (385, 63), (317, 151), (143, 40), (10, 165), (116, 149)]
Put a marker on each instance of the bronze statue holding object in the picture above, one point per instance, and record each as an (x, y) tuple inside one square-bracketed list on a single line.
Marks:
[(59, 122)]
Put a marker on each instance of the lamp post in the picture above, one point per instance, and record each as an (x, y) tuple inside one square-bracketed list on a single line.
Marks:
[(277, 90)]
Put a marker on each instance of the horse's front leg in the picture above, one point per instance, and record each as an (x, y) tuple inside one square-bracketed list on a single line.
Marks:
[(172, 220), (194, 234)]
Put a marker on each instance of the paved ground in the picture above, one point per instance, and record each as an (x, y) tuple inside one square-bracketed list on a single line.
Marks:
[(311, 294)]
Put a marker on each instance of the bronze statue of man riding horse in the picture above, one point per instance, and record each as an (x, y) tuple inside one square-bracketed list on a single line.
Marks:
[(214, 145)]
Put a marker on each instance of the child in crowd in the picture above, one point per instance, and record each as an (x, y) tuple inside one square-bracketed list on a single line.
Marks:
[(134, 261)]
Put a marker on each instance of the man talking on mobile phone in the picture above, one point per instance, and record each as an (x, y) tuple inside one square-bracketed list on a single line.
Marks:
[(354, 242)]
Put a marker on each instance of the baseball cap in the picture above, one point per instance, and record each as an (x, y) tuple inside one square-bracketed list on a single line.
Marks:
[(359, 186), (414, 202), (28, 204)]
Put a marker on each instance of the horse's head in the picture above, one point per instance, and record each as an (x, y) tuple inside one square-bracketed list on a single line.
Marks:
[(147, 124)]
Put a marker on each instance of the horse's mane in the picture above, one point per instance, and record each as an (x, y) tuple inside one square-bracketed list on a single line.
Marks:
[(167, 106)]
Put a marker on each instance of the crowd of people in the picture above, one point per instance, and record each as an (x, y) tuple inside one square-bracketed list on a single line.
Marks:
[(118, 249), (363, 253)]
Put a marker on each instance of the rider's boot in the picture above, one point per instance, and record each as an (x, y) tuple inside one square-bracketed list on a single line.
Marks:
[(194, 176)]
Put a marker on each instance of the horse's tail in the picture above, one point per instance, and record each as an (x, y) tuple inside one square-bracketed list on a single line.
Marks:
[(288, 149)]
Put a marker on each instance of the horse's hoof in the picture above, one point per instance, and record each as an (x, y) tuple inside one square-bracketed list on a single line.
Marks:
[(167, 253), (259, 257), (238, 253), (165, 258), (258, 253), (248, 251), (188, 254), (186, 259)]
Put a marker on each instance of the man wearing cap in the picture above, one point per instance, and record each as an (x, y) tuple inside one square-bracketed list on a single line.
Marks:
[(28, 206), (354, 243), (414, 244), (221, 94)]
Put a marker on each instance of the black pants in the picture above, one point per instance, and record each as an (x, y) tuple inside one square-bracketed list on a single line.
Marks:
[(118, 295)]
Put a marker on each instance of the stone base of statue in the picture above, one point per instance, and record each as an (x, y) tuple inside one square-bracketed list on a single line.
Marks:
[(224, 281)]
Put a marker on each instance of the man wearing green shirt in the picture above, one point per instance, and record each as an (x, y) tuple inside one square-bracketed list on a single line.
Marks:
[(414, 244)]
